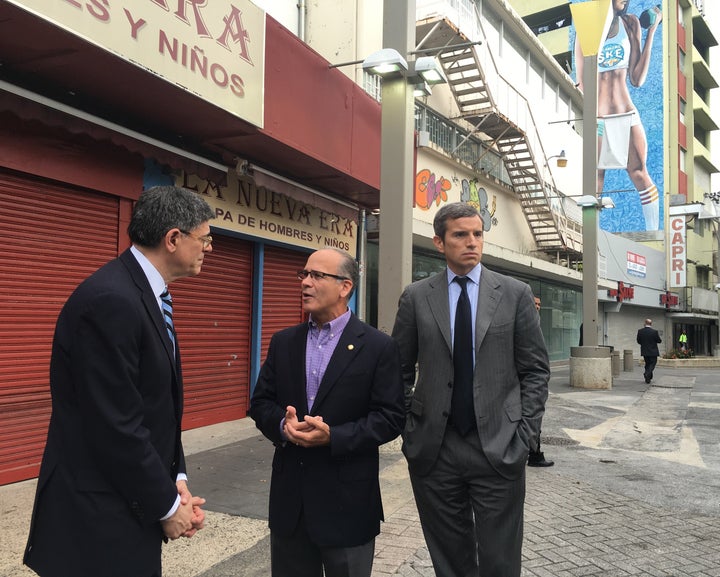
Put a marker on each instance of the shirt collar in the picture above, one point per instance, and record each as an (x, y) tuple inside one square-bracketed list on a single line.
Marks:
[(473, 275), (336, 325), (157, 282)]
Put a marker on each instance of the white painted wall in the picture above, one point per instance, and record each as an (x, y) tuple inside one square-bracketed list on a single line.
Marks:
[(621, 328)]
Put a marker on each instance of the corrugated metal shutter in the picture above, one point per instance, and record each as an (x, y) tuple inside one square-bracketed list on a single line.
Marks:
[(53, 237), (282, 303), (212, 317)]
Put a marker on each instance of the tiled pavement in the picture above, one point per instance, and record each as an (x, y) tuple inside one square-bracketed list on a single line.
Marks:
[(575, 530), (635, 491)]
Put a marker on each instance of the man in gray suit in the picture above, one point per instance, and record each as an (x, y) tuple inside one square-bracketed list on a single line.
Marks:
[(469, 429)]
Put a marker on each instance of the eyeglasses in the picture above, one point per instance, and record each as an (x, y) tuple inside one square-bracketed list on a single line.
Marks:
[(317, 275), (206, 240)]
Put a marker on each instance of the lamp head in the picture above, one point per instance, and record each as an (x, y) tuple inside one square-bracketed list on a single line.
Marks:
[(561, 160), (429, 69), (384, 62), (587, 201), (607, 202), (422, 89)]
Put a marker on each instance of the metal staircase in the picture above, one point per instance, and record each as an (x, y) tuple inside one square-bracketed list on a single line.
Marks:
[(479, 91)]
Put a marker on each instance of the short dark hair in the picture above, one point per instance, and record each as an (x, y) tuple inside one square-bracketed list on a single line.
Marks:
[(452, 211), (162, 208)]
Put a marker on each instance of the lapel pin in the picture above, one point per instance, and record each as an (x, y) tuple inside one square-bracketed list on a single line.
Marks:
[(351, 347)]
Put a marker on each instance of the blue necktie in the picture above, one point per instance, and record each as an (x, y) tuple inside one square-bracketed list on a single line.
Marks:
[(167, 314), (462, 411)]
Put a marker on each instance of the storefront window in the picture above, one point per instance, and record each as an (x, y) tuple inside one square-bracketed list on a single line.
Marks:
[(560, 315)]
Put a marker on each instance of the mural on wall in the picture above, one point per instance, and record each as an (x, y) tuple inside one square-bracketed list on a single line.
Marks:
[(430, 188), (477, 196), (630, 115)]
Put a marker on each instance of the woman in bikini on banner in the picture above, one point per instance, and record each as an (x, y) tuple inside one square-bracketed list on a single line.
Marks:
[(623, 56)]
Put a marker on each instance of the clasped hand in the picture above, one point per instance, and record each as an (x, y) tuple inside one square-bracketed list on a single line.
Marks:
[(310, 432), (189, 517)]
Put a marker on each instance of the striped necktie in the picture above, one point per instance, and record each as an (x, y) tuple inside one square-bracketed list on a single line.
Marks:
[(167, 310)]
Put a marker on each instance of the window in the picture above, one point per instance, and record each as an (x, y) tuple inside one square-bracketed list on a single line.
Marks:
[(683, 154), (703, 277), (372, 84), (683, 104)]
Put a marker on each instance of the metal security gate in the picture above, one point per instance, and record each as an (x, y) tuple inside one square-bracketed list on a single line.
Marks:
[(282, 304), (54, 236), (212, 315)]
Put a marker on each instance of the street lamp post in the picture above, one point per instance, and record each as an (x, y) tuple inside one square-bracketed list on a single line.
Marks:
[(590, 365), (590, 214), (396, 167)]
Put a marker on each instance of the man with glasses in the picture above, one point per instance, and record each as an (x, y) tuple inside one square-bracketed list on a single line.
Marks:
[(328, 395), (113, 482)]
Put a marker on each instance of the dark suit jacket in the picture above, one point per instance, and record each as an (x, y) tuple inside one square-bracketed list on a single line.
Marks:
[(361, 397), (648, 339), (511, 370), (113, 448)]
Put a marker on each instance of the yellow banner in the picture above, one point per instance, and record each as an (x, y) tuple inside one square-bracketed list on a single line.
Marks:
[(592, 21)]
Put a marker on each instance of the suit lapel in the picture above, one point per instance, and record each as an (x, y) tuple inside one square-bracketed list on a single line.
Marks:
[(489, 296), (297, 352), (351, 342), (439, 306), (153, 310), (150, 302)]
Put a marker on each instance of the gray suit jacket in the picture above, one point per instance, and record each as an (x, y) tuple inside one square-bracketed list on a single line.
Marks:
[(511, 370)]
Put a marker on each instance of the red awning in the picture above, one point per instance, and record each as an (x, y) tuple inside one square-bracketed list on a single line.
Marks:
[(321, 129)]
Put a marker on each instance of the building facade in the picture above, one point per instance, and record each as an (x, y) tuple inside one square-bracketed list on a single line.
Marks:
[(101, 100), (280, 131), (680, 145)]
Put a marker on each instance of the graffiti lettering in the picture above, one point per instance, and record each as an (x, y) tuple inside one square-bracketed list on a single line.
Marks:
[(429, 189)]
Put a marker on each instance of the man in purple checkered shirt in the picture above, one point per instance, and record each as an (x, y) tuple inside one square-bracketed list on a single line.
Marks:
[(328, 395)]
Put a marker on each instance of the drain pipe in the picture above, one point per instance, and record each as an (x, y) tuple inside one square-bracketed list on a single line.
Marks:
[(301, 19)]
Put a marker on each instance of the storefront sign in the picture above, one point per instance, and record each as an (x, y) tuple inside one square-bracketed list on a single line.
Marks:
[(636, 265), (678, 252), (669, 299), (278, 211), (215, 50), (622, 293)]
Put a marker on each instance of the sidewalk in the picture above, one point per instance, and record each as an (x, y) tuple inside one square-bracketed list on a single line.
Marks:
[(635, 490)]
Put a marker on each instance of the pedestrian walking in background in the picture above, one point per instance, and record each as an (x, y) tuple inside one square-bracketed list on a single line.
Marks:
[(328, 395), (683, 340), (648, 339), (475, 411), (536, 458), (113, 482)]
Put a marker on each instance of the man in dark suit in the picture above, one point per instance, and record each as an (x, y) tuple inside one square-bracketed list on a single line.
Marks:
[(536, 458), (328, 395), (475, 410), (112, 482), (648, 339)]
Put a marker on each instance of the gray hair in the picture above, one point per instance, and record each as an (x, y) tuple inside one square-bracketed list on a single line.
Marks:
[(162, 208), (348, 268), (452, 211)]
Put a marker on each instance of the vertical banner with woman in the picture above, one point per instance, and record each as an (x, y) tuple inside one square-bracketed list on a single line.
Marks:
[(630, 116)]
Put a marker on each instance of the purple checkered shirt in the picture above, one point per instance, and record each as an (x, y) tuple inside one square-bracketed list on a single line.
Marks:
[(321, 344)]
